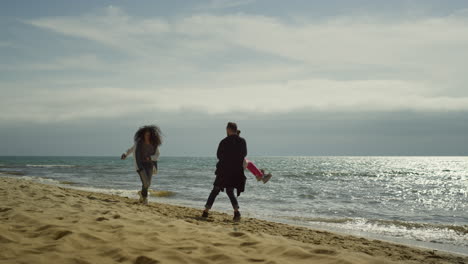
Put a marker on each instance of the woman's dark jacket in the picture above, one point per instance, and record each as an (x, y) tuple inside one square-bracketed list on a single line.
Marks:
[(231, 153)]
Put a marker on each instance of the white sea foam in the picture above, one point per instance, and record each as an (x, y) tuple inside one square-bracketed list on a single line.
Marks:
[(119, 192), (36, 179), (455, 235), (50, 165)]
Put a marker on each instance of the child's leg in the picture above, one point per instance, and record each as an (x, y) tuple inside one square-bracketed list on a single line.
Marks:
[(254, 170)]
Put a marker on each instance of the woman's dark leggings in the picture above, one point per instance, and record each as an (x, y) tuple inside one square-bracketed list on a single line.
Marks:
[(215, 192), (145, 175)]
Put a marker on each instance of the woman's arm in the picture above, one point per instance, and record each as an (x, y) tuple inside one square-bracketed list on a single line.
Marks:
[(155, 157), (128, 152)]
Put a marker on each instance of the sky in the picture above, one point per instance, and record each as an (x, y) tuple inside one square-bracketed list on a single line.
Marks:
[(299, 77)]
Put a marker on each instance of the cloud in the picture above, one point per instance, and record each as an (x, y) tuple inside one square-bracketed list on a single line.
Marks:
[(345, 40), (248, 63), (88, 62), (112, 27), (224, 4), (362, 96), (342, 41)]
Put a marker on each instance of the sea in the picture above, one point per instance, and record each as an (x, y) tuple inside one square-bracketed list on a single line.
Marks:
[(417, 201)]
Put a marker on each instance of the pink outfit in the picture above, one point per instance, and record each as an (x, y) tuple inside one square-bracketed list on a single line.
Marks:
[(253, 169)]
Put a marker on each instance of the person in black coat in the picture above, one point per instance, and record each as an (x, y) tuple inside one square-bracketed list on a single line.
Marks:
[(231, 153)]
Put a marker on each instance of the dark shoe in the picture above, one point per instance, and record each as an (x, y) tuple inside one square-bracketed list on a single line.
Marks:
[(266, 178), (205, 214), (237, 216)]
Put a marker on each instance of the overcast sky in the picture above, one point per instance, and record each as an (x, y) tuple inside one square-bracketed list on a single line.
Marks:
[(303, 77)]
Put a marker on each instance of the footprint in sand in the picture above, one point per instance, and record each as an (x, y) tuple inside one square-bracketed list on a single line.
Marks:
[(249, 244), (45, 227), (255, 260), (79, 261), (5, 209), (324, 251), (109, 201), (146, 260), (236, 234), (90, 237), (187, 249), (116, 254), (61, 234), (5, 239)]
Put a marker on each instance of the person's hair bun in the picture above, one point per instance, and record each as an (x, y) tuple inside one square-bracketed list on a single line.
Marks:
[(232, 126), (238, 132)]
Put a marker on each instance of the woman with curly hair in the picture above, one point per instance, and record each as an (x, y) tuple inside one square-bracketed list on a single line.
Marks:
[(145, 151)]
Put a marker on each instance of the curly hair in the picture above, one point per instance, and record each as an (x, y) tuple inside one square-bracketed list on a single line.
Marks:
[(155, 132)]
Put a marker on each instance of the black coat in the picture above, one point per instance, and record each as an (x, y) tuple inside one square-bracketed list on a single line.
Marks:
[(232, 151)]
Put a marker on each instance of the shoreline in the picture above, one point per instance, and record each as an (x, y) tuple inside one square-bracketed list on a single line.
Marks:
[(41, 221), (318, 226), (162, 197)]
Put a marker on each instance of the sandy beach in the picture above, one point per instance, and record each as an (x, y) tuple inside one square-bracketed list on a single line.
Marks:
[(44, 223)]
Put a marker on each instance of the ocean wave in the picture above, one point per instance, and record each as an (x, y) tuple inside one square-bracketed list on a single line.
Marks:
[(50, 165), (33, 178), (13, 173), (125, 192), (317, 219), (72, 185), (461, 229), (118, 192), (427, 232), (38, 179), (67, 182)]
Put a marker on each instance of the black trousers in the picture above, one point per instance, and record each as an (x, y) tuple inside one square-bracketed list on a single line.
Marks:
[(214, 193)]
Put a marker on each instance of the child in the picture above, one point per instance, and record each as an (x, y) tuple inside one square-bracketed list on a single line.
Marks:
[(259, 174)]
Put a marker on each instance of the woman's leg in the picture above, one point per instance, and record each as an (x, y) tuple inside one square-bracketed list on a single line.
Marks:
[(211, 198), (144, 183), (232, 197), (145, 177), (149, 175)]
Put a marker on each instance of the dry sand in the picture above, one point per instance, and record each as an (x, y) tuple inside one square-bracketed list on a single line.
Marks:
[(49, 224)]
